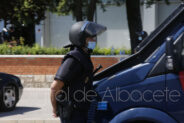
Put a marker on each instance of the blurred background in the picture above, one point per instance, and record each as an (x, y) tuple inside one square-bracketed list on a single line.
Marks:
[(47, 22)]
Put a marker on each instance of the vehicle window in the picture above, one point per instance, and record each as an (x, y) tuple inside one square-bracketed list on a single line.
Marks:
[(179, 51), (182, 55)]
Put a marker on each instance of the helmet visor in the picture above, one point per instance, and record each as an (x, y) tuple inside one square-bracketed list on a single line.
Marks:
[(94, 29)]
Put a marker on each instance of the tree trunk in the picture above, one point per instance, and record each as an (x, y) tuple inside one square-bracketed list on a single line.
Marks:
[(78, 10), (134, 21), (5, 22), (91, 9), (28, 33)]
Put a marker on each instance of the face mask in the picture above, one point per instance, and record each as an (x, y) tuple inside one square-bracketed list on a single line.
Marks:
[(91, 45)]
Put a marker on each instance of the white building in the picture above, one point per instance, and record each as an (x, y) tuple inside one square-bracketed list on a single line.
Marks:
[(55, 29)]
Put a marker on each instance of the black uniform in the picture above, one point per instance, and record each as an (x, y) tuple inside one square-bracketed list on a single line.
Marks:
[(76, 73)]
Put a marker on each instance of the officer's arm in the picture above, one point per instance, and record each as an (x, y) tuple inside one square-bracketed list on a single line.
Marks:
[(55, 87), (67, 72)]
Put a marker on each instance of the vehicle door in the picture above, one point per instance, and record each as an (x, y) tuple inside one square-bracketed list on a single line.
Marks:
[(175, 77)]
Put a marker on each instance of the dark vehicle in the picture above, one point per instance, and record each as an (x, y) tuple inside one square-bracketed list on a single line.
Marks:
[(149, 85), (10, 91)]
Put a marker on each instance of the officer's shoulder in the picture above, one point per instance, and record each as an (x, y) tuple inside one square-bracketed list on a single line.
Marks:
[(76, 54), (72, 55)]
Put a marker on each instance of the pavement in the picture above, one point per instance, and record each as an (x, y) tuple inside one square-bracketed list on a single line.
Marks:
[(33, 107)]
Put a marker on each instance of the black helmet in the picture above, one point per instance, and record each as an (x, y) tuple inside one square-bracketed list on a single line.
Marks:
[(83, 29)]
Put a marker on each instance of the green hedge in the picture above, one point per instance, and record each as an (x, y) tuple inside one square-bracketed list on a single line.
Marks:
[(37, 50)]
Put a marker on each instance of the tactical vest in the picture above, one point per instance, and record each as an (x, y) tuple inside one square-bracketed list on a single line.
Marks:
[(83, 83)]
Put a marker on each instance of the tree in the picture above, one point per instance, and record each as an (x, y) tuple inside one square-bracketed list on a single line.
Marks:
[(134, 21), (85, 9), (6, 8), (80, 9), (24, 14), (91, 10)]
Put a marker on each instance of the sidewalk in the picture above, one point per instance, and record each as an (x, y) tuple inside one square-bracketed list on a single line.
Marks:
[(33, 107)]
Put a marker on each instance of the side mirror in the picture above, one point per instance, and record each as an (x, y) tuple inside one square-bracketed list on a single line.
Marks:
[(169, 54), (174, 53)]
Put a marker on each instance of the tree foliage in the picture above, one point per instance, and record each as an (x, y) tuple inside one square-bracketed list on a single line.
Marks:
[(24, 14), (24, 11), (148, 3), (80, 9), (6, 9)]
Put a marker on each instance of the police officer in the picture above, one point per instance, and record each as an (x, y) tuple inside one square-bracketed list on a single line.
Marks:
[(75, 74)]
